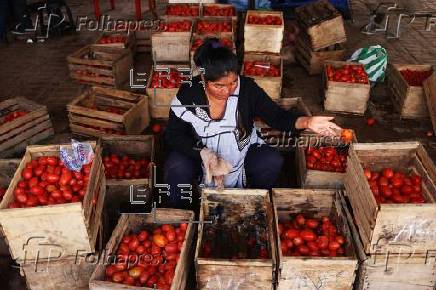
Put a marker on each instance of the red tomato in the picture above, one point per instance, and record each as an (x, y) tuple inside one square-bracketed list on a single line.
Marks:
[(136, 271), (388, 172), (308, 235), (312, 223), (292, 233), (118, 277), (303, 250), (298, 241), (333, 246), (300, 220), (27, 173)]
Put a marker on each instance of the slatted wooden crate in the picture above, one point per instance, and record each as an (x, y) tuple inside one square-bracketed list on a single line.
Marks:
[(386, 271), (343, 97), (391, 227), (263, 38), (7, 171), (322, 22), (311, 178), (128, 224), (171, 46), (98, 65), (408, 100), (191, 1), (226, 34), (25, 130), (69, 226), (278, 138), (430, 94), (313, 272), (160, 98), (193, 6), (313, 61), (206, 14), (271, 85), (128, 43), (143, 40), (246, 273), (87, 115), (70, 273)]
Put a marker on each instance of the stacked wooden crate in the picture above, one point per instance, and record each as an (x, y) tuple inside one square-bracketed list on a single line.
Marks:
[(105, 111), (316, 271), (430, 94), (161, 89), (229, 208), (22, 122), (409, 99), (397, 240), (117, 39), (322, 36), (263, 41), (100, 65), (50, 241)]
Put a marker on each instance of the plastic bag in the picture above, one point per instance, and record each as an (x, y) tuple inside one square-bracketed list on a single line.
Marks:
[(79, 154)]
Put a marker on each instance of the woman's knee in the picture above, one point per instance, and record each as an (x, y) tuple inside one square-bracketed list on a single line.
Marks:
[(180, 167), (265, 158)]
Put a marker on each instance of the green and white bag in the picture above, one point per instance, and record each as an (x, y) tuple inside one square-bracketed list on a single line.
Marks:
[(374, 60)]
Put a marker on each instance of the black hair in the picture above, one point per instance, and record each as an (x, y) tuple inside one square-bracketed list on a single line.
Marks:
[(216, 60)]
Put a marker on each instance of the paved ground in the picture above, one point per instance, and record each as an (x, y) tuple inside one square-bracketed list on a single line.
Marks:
[(39, 72)]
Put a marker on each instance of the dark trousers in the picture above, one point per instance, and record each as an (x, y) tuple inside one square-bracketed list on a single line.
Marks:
[(262, 168)]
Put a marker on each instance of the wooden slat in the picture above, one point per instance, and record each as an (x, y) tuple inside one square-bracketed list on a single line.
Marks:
[(430, 94)]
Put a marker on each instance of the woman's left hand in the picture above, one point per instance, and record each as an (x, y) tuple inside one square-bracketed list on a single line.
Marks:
[(319, 125)]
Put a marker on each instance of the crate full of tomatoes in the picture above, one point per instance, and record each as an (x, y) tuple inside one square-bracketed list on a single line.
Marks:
[(314, 239), (101, 65), (22, 122), (406, 84), (172, 40), (162, 86), (47, 199), (266, 70), (118, 40), (150, 252), (182, 11), (105, 111), (392, 190), (263, 31), (322, 161), (346, 87), (235, 239), (222, 28)]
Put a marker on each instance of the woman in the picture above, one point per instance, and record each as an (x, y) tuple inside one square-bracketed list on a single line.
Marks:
[(211, 127)]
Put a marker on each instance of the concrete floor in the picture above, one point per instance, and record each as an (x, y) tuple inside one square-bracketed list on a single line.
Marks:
[(39, 72)]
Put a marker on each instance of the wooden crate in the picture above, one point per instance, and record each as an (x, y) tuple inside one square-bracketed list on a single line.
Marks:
[(129, 43), (322, 22), (160, 98), (30, 232), (311, 178), (344, 97), (134, 223), (190, 1), (70, 273), (313, 61), (430, 94), (391, 227), (86, 111), (246, 273), (278, 138), (231, 34), (170, 46), (107, 66), (263, 38), (234, 18), (386, 271), (271, 85), (143, 40), (25, 130), (167, 17), (313, 272), (408, 100)]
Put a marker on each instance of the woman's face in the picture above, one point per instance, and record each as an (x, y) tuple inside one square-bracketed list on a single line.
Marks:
[(222, 88)]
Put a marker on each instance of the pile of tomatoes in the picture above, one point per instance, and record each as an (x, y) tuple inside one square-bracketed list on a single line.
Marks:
[(206, 27), (182, 10), (415, 77), (265, 20), (13, 115), (261, 69), (224, 42), (112, 39), (123, 167), (347, 73), (175, 26), (304, 236), (326, 159), (46, 181), (389, 186), (214, 10), (2, 193), (161, 79), (149, 258)]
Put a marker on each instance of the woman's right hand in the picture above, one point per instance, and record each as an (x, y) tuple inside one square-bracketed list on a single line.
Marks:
[(319, 125)]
